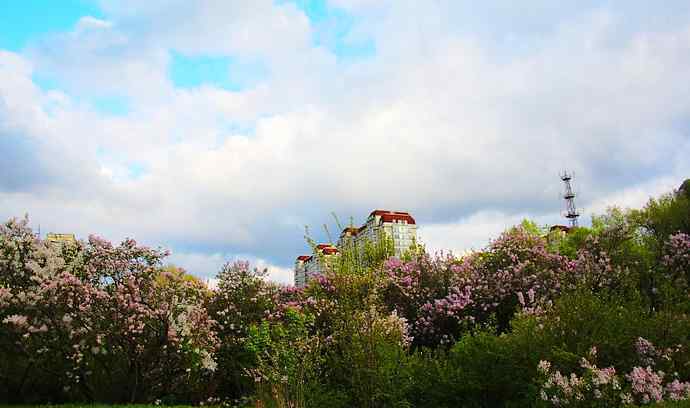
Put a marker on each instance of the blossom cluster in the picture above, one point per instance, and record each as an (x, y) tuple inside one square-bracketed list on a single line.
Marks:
[(442, 295), (603, 387), (677, 257)]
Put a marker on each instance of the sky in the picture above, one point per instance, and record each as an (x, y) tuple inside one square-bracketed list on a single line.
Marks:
[(220, 129)]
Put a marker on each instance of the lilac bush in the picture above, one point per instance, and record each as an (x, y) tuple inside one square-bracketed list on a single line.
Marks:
[(595, 387), (103, 323), (426, 293), (593, 269), (243, 298), (518, 262), (676, 258), (442, 296), (603, 387)]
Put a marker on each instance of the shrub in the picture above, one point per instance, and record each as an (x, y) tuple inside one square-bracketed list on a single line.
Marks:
[(98, 324), (243, 299)]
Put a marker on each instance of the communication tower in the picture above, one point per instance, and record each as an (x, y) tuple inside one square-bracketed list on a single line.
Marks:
[(569, 196)]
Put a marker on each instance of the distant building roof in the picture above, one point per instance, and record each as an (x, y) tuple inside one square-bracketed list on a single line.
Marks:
[(381, 212), (559, 228), (386, 216), (329, 250), (351, 230), (392, 216), (53, 237)]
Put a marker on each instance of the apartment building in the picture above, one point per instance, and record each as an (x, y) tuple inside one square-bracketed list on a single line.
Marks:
[(308, 266), (301, 269), (397, 225)]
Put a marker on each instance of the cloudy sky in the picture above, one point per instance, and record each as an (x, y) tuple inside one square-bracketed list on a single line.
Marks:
[(219, 129)]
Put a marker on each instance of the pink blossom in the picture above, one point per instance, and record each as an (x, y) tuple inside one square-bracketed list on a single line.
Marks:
[(17, 320), (646, 384)]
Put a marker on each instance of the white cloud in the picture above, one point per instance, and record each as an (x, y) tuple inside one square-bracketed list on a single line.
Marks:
[(207, 266), (476, 231), (636, 196), (88, 23)]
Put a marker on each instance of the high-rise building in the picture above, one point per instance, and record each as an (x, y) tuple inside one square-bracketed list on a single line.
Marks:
[(301, 270), (308, 266), (399, 226)]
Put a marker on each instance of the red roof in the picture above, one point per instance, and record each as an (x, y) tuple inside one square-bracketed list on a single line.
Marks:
[(379, 212), (329, 251), (351, 230), (392, 216), (397, 217), (386, 216)]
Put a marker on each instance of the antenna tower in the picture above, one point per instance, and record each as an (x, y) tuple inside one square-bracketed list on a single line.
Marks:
[(569, 196)]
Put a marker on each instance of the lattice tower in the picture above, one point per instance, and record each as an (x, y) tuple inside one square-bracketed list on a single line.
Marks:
[(571, 212)]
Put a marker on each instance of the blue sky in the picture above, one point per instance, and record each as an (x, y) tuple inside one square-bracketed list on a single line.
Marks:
[(221, 128), (223, 72), (26, 20), (336, 24)]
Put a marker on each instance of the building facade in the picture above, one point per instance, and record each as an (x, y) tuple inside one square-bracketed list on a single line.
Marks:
[(308, 266), (399, 226), (301, 270)]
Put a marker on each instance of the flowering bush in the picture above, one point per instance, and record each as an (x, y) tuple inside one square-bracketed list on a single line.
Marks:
[(596, 387), (518, 263), (676, 258), (100, 324), (602, 387), (426, 293), (594, 270), (443, 296), (243, 299)]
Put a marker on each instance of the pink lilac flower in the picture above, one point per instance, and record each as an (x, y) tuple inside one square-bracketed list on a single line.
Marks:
[(646, 351), (646, 384), (677, 391), (17, 320)]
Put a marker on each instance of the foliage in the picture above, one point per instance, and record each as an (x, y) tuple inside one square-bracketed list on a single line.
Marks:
[(243, 299), (665, 216), (287, 356)]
